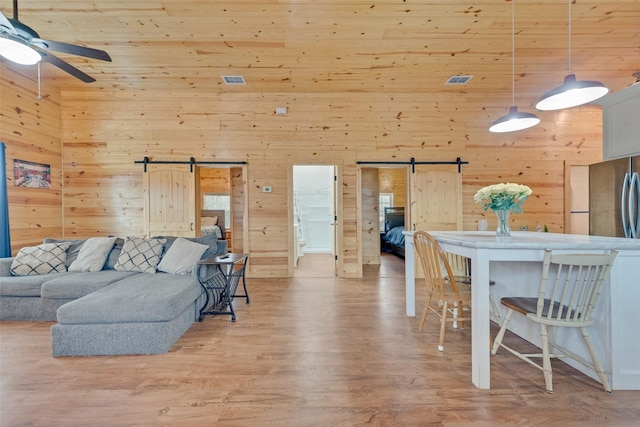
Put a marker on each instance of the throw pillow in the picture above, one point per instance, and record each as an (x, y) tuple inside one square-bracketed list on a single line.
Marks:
[(210, 240), (112, 258), (93, 254), (140, 255), (72, 251), (43, 259), (182, 256)]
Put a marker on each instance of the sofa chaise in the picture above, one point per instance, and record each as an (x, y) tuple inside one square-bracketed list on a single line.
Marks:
[(121, 308)]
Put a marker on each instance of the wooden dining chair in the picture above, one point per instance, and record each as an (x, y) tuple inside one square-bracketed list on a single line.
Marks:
[(569, 290), (461, 268), (441, 285)]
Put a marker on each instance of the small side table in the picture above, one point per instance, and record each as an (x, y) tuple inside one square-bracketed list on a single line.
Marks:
[(220, 287)]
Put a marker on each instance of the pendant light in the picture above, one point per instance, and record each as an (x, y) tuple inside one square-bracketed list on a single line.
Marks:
[(572, 92), (514, 120)]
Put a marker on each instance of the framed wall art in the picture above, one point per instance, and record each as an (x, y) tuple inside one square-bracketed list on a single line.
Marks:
[(30, 174)]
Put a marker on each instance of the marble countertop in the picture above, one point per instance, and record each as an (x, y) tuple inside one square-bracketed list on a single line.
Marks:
[(533, 240)]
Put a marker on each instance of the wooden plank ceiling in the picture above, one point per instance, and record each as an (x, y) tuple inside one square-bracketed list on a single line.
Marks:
[(307, 46)]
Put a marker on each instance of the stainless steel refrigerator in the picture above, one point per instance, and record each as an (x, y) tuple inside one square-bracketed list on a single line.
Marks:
[(614, 198)]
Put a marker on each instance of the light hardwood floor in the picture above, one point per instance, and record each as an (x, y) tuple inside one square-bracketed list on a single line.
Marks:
[(315, 265), (305, 352), (322, 265)]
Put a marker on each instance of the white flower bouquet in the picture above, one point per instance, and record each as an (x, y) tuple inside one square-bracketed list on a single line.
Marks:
[(503, 196)]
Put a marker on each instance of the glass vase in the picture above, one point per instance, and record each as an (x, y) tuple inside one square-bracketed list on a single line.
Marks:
[(503, 232)]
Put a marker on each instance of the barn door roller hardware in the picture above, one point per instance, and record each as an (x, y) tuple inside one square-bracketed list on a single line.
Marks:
[(413, 163), (191, 162)]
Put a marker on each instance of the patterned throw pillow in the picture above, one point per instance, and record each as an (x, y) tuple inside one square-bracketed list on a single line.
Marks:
[(140, 255), (43, 259), (72, 251)]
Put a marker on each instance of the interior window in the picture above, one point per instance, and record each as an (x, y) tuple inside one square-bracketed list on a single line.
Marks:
[(385, 201), (219, 201)]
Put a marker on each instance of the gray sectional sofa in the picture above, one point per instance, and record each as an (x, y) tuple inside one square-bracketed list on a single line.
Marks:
[(107, 312)]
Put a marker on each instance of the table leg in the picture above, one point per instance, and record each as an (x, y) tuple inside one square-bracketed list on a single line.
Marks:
[(480, 330), (244, 281), (229, 277), (410, 276), (206, 294)]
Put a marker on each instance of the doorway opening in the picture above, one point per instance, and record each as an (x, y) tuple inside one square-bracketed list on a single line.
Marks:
[(431, 199), (383, 199), (222, 190), (314, 220)]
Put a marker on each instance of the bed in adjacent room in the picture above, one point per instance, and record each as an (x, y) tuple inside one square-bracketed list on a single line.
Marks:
[(212, 222), (393, 239)]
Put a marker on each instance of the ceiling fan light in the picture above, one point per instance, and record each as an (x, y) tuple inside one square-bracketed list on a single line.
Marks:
[(514, 121), (571, 94), (17, 52)]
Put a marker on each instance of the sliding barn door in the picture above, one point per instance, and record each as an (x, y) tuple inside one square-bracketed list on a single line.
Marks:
[(171, 200), (436, 199)]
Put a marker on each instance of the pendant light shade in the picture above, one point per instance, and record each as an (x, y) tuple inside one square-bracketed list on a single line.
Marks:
[(514, 120), (18, 52), (571, 93)]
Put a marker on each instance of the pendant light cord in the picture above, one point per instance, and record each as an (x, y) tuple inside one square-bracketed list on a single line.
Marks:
[(513, 120), (569, 44), (513, 52)]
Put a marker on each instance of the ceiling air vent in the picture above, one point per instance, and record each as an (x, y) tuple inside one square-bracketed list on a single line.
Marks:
[(234, 80), (458, 80)]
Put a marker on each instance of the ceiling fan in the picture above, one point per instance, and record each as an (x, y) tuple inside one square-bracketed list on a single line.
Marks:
[(21, 44)]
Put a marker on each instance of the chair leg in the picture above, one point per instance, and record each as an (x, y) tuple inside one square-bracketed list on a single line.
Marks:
[(461, 323), (424, 313), (498, 341), (546, 358), (443, 322), (494, 313), (456, 313), (596, 360)]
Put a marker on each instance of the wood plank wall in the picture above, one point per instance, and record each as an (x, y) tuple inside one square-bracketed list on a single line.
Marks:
[(215, 180), (108, 132), (105, 131), (392, 180), (30, 128)]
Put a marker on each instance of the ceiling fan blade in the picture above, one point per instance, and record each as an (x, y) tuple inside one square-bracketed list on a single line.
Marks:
[(6, 25), (65, 66), (72, 49)]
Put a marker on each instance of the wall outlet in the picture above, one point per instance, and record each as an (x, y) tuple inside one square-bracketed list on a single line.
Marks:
[(266, 189)]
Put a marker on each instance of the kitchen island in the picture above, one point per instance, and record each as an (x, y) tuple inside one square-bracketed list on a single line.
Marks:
[(515, 267)]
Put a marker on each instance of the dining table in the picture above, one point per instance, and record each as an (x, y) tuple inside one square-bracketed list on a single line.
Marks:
[(514, 265)]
